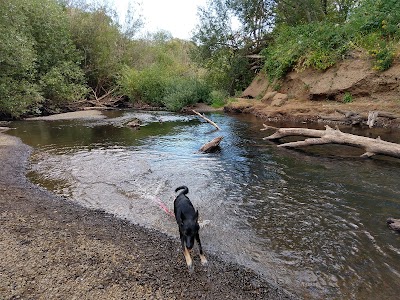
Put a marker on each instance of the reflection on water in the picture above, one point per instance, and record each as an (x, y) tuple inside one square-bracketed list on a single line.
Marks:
[(312, 222)]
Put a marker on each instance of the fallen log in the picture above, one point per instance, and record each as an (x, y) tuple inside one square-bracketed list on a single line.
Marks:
[(207, 119), (212, 145), (353, 118), (335, 136)]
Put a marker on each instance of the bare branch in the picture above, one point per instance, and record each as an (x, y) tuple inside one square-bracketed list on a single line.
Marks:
[(207, 119)]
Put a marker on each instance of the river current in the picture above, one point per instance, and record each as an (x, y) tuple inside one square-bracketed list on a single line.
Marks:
[(312, 221)]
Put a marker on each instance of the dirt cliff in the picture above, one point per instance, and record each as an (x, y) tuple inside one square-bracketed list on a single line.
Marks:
[(350, 88)]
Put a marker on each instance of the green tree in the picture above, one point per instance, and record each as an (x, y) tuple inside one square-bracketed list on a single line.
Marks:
[(163, 73), (296, 12), (256, 18), (102, 40), (35, 43), (224, 42), (98, 38), (17, 62)]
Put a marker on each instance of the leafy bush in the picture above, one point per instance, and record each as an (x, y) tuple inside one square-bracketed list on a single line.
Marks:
[(17, 97), (377, 25), (157, 87), (347, 97), (181, 92), (317, 45), (37, 57), (378, 16), (128, 82), (64, 83), (218, 98), (373, 25), (147, 85)]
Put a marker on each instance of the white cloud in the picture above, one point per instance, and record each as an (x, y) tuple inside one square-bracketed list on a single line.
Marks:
[(176, 16)]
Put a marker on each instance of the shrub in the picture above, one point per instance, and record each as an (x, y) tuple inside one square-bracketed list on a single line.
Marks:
[(147, 85), (17, 97), (64, 83), (373, 25), (347, 98), (181, 92), (218, 98), (158, 86), (317, 45), (377, 24), (379, 16)]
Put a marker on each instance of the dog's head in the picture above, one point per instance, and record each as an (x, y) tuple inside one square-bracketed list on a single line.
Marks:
[(190, 228)]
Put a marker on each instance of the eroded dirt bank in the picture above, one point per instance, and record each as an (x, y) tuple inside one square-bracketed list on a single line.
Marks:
[(53, 249), (343, 94)]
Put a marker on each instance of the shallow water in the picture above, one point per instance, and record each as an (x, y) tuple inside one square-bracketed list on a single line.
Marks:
[(312, 221)]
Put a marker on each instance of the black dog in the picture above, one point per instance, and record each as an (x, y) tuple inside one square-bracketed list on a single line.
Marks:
[(187, 219)]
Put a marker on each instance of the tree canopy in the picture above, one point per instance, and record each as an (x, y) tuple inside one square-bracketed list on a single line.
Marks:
[(291, 34)]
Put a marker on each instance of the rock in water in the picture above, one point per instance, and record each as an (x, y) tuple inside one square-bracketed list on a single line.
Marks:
[(393, 224)]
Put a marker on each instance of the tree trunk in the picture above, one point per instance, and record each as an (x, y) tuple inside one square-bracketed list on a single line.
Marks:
[(335, 136)]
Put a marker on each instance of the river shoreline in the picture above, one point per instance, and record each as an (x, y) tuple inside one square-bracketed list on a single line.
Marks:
[(54, 249)]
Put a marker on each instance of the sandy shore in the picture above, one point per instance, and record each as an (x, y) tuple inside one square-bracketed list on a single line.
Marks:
[(81, 114), (53, 249)]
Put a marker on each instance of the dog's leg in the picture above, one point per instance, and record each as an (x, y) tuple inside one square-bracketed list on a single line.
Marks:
[(186, 253), (203, 259), (188, 258)]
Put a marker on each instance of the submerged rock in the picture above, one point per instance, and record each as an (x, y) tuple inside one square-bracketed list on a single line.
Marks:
[(393, 224), (135, 123)]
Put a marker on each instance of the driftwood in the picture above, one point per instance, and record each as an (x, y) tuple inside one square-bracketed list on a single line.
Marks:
[(372, 115), (354, 118), (207, 119), (211, 146), (335, 136), (393, 224)]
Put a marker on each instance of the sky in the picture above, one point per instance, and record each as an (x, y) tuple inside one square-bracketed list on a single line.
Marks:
[(179, 17)]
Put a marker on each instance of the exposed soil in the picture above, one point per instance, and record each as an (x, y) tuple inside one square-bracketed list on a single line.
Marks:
[(324, 112), (53, 249), (326, 97)]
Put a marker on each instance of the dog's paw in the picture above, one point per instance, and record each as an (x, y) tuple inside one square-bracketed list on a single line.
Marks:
[(204, 261), (190, 268)]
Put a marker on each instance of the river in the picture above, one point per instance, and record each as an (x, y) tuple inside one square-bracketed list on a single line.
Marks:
[(312, 221)]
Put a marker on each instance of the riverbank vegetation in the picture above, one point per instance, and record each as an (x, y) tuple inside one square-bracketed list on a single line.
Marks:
[(57, 52)]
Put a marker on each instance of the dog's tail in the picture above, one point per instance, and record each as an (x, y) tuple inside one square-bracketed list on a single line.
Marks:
[(184, 188)]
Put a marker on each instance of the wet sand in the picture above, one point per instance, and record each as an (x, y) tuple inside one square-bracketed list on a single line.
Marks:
[(53, 249)]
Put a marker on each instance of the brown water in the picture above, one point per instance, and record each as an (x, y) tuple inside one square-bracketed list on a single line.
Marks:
[(312, 221)]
